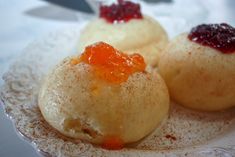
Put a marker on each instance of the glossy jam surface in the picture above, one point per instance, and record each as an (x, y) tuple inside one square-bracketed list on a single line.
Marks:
[(110, 64), (217, 36), (113, 143), (123, 11)]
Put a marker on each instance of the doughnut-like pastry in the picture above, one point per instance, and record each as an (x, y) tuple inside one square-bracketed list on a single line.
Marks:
[(123, 26), (199, 67), (104, 96)]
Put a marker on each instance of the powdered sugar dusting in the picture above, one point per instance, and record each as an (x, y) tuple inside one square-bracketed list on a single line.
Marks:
[(185, 128)]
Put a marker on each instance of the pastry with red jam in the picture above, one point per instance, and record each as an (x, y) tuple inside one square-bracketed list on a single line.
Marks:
[(199, 67), (104, 96), (124, 26)]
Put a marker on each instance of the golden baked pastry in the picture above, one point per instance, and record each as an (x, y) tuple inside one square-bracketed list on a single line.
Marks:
[(135, 34), (104, 96), (199, 67)]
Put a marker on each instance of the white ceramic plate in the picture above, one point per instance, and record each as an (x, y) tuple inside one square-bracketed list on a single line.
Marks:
[(185, 132)]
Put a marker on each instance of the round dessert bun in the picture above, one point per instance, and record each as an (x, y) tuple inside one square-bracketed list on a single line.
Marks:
[(80, 105), (144, 36), (197, 76)]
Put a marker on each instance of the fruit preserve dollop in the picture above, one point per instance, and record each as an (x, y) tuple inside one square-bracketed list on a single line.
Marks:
[(113, 143), (123, 11), (110, 64), (218, 36)]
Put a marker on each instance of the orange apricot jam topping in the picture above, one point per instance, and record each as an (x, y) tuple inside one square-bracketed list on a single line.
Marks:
[(112, 143), (110, 64)]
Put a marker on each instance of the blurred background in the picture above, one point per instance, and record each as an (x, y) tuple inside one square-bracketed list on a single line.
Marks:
[(26, 20)]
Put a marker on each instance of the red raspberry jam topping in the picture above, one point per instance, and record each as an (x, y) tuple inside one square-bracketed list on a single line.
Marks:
[(123, 11), (110, 64), (218, 36)]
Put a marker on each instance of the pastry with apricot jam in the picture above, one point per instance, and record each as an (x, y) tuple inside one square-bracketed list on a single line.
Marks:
[(104, 96), (124, 26), (199, 67)]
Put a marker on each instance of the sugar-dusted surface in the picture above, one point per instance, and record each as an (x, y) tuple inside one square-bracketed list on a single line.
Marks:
[(184, 129)]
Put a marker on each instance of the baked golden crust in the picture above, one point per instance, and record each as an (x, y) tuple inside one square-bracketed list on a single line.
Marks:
[(80, 105), (145, 36), (198, 76)]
